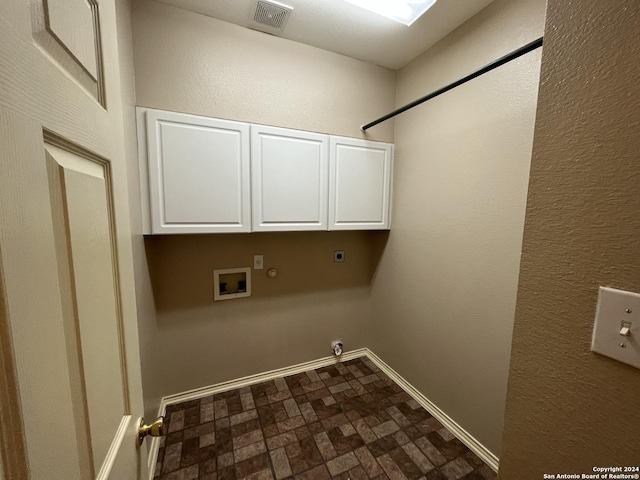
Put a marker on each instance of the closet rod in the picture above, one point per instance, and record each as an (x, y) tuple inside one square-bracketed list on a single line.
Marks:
[(487, 68)]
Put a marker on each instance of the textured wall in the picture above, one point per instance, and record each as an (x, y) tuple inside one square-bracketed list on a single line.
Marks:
[(287, 320), (568, 409), (192, 63), (444, 293), (152, 371)]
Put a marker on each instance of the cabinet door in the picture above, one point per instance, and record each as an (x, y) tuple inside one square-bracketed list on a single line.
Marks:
[(198, 174), (360, 184), (289, 173)]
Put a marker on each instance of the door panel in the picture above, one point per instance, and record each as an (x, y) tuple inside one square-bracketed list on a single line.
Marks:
[(360, 185), (289, 170), (72, 22), (361, 180), (32, 295), (69, 32), (69, 318), (199, 173), (83, 235), (69, 351)]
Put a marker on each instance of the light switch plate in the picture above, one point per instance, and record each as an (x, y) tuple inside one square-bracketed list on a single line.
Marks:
[(617, 309)]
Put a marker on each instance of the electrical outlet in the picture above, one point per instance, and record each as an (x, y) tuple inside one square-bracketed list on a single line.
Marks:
[(338, 256), (258, 262)]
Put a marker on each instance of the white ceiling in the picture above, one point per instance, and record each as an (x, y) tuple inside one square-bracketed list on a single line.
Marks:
[(341, 27)]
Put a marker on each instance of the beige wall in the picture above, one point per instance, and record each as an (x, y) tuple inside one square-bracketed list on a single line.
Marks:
[(192, 63), (287, 320), (568, 409), (152, 370), (443, 296)]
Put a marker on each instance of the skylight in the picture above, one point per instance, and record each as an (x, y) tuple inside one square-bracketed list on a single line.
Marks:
[(402, 11)]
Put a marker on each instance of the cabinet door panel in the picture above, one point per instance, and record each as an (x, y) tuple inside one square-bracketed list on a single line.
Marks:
[(360, 184), (289, 179), (199, 174)]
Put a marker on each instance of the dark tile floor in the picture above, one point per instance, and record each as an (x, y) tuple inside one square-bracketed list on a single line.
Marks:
[(345, 421)]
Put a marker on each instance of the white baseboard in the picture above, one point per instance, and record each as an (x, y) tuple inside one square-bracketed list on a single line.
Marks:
[(465, 437), (239, 383), (461, 434)]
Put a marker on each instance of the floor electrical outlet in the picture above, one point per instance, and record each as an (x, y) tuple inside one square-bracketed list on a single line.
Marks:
[(338, 256)]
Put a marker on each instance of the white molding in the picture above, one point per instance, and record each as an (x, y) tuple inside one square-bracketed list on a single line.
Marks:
[(239, 383), (112, 454), (465, 437), (461, 434), (261, 377), (152, 458)]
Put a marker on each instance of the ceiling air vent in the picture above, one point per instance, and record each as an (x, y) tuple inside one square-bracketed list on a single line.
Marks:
[(270, 17)]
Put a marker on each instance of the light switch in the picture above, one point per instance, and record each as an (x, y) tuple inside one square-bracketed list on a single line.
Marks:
[(616, 332)]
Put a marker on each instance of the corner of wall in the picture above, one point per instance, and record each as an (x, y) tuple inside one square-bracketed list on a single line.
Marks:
[(564, 402), (149, 351), (443, 296)]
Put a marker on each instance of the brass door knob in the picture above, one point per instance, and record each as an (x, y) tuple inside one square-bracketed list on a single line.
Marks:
[(156, 429)]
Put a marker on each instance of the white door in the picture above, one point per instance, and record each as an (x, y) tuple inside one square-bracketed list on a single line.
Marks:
[(70, 399), (289, 174), (360, 183), (198, 173)]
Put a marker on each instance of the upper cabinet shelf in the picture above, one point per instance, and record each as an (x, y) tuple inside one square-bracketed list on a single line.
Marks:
[(205, 175)]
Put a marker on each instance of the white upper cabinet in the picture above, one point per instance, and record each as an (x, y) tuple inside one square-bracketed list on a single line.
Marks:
[(206, 175), (360, 184), (199, 173), (289, 179)]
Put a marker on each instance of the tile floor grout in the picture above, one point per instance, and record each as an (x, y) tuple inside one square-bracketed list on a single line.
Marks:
[(343, 421)]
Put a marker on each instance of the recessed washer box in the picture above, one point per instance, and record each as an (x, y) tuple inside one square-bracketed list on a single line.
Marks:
[(231, 283)]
